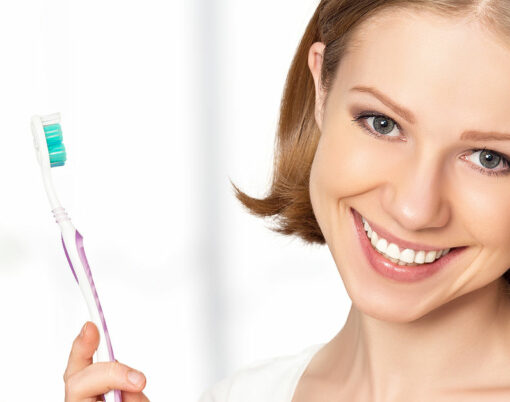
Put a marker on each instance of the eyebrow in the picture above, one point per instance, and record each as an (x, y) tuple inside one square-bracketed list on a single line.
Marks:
[(406, 114)]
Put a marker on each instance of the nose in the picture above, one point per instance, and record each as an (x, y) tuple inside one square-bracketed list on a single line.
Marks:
[(417, 197)]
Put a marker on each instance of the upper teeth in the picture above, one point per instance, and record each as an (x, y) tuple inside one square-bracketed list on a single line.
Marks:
[(402, 257)]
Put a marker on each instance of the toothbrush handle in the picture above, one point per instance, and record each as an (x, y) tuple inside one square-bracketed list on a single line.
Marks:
[(72, 241)]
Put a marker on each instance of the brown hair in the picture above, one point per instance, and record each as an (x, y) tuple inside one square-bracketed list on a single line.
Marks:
[(334, 23)]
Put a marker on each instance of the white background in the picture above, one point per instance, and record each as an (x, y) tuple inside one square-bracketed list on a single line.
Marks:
[(162, 103)]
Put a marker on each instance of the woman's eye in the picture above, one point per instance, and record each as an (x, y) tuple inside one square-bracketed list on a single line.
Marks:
[(378, 125), (483, 160), (487, 161)]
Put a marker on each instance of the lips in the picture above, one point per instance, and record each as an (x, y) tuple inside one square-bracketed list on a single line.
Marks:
[(388, 269), (403, 244)]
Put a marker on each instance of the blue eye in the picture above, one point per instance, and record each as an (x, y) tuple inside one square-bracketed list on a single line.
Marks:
[(489, 160), (381, 125)]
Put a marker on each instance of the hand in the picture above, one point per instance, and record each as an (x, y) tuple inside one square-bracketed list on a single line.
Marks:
[(86, 381)]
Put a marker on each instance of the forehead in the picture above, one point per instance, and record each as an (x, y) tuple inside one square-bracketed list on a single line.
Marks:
[(417, 57)]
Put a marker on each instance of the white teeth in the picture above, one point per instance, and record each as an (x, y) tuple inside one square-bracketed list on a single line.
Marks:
[(374, 238), (394, 252), (419, 258), (430, 256), (407, 255), (382, 245), (367, 228), (404, 257)]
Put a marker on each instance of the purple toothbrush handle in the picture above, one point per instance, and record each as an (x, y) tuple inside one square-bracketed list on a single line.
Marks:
[(83, 258)]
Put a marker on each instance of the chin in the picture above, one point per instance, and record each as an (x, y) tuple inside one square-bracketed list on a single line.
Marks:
[(390, 307)]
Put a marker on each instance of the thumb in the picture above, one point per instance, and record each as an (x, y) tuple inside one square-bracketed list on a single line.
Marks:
[(128, 396), (134, 397), (83, 349)]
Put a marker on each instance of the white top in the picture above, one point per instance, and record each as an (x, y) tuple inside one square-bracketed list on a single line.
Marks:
[(269, 380)]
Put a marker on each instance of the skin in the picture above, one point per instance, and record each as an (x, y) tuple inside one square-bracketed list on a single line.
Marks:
[(447, 337), (86, 381)]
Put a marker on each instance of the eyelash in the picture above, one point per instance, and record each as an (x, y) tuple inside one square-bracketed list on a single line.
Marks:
[(364, 115)]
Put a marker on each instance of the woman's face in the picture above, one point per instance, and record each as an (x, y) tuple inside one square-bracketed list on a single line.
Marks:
[(421, 179)]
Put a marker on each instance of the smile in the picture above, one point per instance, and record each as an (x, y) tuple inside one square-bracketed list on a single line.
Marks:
[(400, 260), (399, 254)]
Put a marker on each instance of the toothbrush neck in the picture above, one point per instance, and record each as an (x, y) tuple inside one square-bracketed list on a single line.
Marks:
[(50, 189)]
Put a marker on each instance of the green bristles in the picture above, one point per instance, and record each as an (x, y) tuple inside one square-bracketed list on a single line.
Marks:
[(56, 148)]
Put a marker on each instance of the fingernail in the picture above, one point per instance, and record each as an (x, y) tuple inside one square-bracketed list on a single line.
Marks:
[(83, 330), (135, 377)]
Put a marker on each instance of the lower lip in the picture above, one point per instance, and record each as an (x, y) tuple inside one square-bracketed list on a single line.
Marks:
[(401, 273)]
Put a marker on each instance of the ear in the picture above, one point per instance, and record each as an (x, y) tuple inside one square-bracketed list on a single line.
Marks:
[(315, 57)]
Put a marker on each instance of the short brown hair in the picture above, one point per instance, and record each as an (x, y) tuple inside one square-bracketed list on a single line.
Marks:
[(334, 23)]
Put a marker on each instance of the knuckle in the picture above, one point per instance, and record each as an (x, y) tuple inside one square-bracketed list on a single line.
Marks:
[(70, 385), (113, 369)]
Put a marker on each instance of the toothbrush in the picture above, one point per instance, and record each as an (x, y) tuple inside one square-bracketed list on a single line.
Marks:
[(50, 151)]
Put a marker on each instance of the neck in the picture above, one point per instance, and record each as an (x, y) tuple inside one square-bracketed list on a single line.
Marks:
[(446, 348)]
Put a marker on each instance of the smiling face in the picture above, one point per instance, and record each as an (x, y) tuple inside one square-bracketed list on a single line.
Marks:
[(414, 171)]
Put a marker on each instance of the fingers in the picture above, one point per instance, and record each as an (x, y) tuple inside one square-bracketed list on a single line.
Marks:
[(101, 378), (134, 397), (82, 351), (85, 380)]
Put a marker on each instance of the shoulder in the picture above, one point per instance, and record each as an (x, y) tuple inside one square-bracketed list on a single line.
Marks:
[(268, 380)]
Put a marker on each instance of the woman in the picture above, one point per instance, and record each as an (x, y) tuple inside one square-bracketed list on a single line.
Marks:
[(392, 150)]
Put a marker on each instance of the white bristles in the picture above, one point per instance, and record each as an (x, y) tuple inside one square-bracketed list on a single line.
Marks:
[(50, 119)]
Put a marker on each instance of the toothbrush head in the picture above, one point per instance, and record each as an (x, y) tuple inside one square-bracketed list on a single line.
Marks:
[(48, 140), (56, 149)]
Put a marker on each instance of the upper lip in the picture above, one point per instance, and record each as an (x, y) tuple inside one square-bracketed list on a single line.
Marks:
[(403, 244)]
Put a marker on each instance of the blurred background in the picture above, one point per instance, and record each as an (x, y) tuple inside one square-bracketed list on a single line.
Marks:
[(162, 102)]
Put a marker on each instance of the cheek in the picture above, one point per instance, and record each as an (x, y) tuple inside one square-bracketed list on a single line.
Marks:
[(490, 225), (348, 163), (343, 168)]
